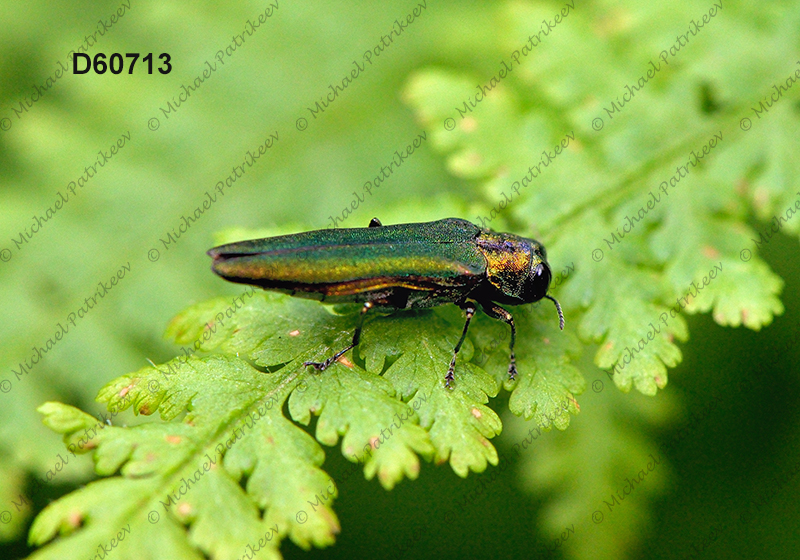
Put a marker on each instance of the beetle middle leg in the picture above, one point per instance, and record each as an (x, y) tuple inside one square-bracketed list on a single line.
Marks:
[(497, 312), (470, 309), (322, 366)]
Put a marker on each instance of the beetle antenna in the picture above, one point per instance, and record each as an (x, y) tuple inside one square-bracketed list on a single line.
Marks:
[(560, 313)]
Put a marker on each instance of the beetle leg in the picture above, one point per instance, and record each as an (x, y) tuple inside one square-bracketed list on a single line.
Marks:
[(470, 309), (375, 222), (497, 312), (322, 366)]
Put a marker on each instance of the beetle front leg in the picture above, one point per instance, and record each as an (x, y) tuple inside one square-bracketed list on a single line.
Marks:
[(322, 366), (497, 312), (470, 309)]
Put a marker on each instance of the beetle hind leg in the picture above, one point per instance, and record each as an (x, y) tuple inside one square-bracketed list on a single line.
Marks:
[(470, 309), (322, 366)]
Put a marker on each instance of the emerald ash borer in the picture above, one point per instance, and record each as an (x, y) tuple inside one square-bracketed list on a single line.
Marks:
[(404, 266)]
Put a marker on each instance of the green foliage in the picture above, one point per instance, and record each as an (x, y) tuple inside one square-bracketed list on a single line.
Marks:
[(235, 446), (650, 223), (603, 450), (241, 417)]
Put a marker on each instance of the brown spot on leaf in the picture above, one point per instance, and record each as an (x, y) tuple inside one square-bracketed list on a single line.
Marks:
[(330, 520), (184, 510), (75, 518), (294, 333), (175, 440), (710, 252), (476, 413), (345, 362)]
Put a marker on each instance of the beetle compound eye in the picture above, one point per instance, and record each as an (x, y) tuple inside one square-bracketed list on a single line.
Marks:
[(538, 282), (542, 274)]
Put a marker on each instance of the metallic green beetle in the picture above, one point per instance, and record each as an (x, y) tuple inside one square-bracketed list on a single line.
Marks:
[(404, 266)]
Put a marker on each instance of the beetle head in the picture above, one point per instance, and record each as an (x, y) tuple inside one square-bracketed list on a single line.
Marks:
[(537, 282), (516, 269)]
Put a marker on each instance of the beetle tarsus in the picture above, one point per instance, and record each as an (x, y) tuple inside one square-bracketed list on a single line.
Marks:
[(512, 368), (322, 366), (450, 373), (319, 366)]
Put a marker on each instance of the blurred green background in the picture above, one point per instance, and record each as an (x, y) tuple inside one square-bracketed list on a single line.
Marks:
[(737, 439)]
